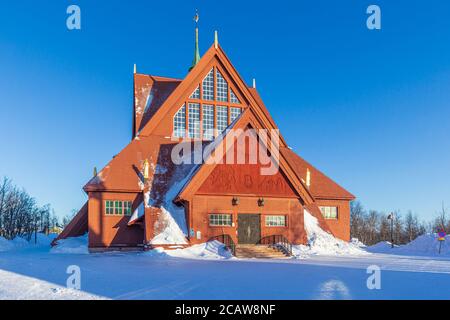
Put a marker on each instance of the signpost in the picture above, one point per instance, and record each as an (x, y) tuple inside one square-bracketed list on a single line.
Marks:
[(391, 218), (441, 239)]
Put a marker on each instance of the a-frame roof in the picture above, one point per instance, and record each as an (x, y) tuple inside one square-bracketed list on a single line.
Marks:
[(214, 55), (247, 119), (116, 175)]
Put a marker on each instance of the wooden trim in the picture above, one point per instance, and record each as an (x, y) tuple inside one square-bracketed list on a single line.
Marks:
[(204, 171)]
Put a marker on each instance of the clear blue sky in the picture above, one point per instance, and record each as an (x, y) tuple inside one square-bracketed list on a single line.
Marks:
[(369, 108)]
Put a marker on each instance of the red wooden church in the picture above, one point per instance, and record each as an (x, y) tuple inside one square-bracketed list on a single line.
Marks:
[(143, 199)]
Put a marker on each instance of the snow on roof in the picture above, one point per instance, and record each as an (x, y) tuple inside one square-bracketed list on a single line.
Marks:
[(137, 214)]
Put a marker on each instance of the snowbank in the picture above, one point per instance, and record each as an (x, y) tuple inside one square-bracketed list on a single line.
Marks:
[(323, 243), (18, 243), (211, 250), (381, 247), (77, 245), (425, 245), (6, 245), (171, 234)]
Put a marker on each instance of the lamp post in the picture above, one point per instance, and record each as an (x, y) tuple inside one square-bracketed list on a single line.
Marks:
[(391, 217)]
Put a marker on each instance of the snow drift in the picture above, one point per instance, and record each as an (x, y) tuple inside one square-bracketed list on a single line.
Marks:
[(19, 243), (77, 245), (425, 245), (212, 250), (321, 242)]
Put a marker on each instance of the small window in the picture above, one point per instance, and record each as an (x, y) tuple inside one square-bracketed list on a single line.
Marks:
[(222, 87), (329, 212), (118, 209), (127, 207), (275, 221), (109, 207), (220, 220), (208, 86), (179, 123), (194, 120), (208, 122), (233, 97), (234, 113), (195, 94), (222, 118)]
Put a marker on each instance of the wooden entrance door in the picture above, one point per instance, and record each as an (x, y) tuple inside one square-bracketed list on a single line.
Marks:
[(249, 228)]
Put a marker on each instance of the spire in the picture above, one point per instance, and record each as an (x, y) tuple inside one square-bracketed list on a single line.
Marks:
[(196, 50), (216, 39)]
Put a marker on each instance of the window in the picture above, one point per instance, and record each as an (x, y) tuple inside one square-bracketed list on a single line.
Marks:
[(275, 221), (234, 113), (194, 120), (222, 87), (329, 212), (118, 207), (179, 123), (195, 94), (109, 207), (222, 118), (208, 122), (220, 220), (233, 97), (127, 208), (208, 86), (209, 110)]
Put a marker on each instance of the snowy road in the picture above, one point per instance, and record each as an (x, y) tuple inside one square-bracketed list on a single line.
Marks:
[(34, 274)]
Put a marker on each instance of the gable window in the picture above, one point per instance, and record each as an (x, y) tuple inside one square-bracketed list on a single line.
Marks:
[(195, 94), (194, 120), (208, 121), (222, 87), (208, 86), (209, 110), (118, 207), (179, 123), (233, 97), (222, 118), (234, 113), (329, 212), (275, 221), (217, 220)]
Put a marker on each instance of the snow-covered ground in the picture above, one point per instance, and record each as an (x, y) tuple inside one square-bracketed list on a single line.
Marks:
[(207, 271)]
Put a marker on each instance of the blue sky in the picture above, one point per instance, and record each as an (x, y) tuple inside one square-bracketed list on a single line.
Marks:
[(369, 108)]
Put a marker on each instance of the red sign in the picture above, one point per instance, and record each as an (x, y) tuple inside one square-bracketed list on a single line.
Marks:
[(441, 235)]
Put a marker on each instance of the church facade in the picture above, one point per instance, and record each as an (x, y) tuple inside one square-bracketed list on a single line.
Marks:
[(163, 189)]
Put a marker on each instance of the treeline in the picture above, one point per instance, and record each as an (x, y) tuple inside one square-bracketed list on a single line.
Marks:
[(20, 215), (371, 227)]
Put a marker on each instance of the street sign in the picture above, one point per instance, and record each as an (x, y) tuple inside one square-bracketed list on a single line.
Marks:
[(441, 235)]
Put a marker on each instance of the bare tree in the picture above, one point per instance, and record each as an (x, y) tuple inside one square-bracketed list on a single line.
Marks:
[(442, 221), (19, 213)]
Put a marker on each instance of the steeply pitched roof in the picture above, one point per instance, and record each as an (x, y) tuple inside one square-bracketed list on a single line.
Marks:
[(150, 92), (322, 187), (247, 119), (154, 96), (78, 226)]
